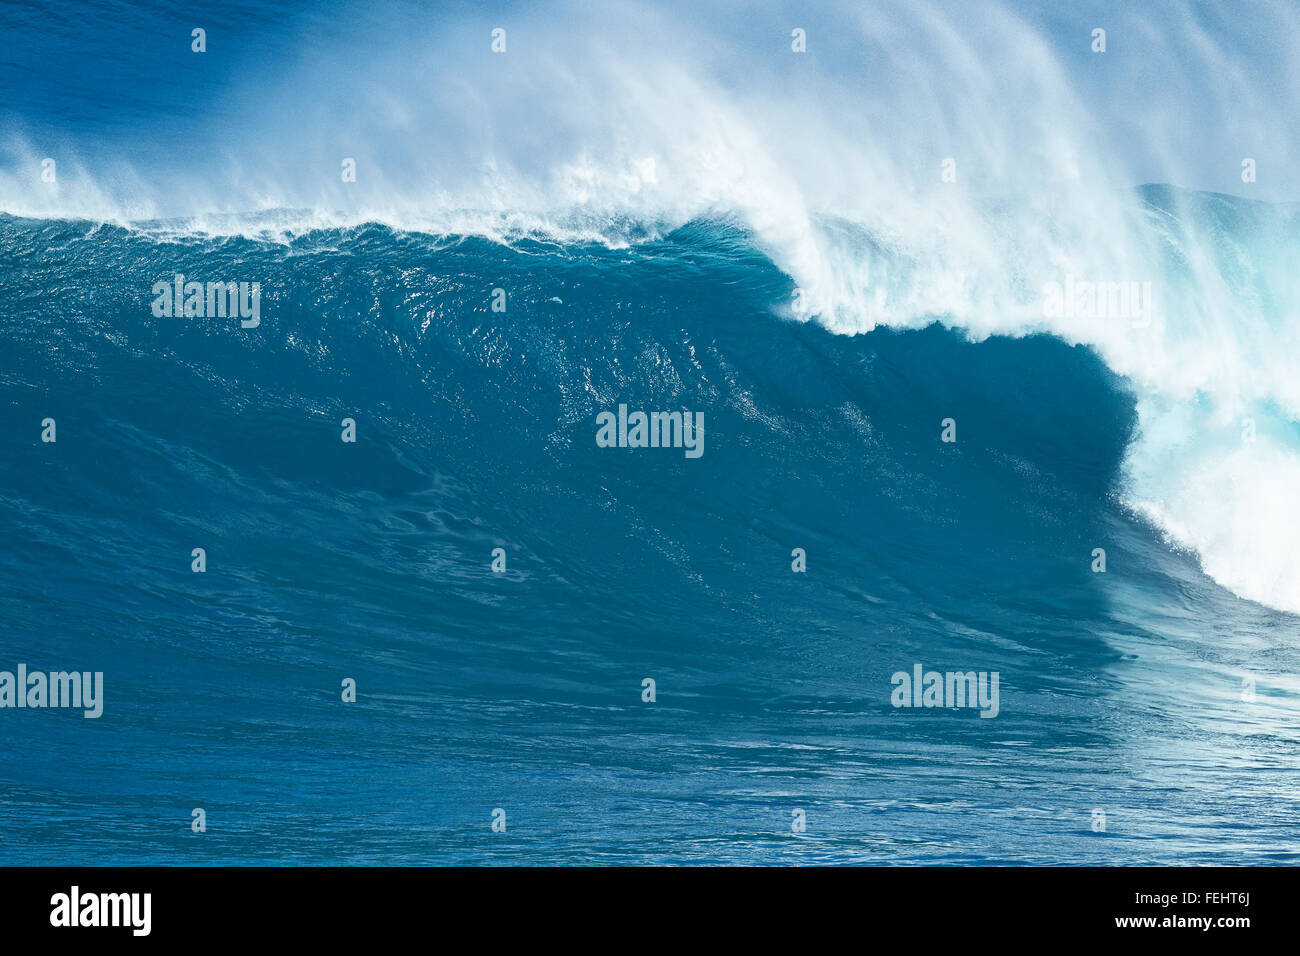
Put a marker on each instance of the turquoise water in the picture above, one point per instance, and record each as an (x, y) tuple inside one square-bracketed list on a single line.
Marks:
[(1160, 693), (522, 690)]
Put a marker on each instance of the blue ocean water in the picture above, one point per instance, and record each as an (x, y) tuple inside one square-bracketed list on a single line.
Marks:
[(1160, 693)]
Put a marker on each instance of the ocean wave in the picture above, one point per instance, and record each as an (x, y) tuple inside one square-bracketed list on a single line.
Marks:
[(919, 163), (1197, 319)]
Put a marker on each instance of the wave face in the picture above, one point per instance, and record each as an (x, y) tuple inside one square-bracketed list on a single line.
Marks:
[(932, 213), (521, 690)]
